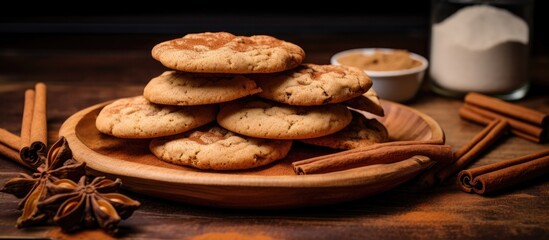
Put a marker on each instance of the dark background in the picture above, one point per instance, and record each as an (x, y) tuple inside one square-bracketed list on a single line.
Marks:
[(58, 30), (270, 17)]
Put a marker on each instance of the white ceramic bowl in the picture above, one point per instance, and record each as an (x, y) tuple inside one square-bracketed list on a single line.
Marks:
[(397, 85)]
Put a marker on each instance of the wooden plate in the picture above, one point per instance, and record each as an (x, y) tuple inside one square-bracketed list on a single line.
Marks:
[(273, 186)]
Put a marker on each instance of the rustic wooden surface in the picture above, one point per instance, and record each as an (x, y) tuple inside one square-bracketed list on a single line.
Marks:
[(81, 71)]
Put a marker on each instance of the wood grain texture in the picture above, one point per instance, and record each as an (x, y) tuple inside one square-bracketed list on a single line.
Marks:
[(271, 186)]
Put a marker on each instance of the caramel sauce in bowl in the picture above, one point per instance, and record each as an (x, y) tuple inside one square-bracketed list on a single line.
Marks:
[(397, 74)]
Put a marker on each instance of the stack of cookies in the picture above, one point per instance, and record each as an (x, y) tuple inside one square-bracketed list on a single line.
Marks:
[(235, 102)]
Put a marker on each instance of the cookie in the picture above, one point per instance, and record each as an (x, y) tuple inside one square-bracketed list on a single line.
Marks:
[(368, 102), (265, 119), (221, 52), (182, 88), (136, 117), (214, 148), (310, 84), (360, 132)]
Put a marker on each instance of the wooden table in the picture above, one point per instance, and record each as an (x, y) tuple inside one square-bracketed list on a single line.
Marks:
[(81, 71)]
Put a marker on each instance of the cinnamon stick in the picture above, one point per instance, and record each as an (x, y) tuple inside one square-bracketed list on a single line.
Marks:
[(468, 114), (39, 127), (463, 155), (9, 144), (497, 176), (526, 128), (487, 136), (375, 154), (474, 148), (526, 136), (508, 109), (371, 147), (34, 134), (9, 139), (10, 153), (28, 110)]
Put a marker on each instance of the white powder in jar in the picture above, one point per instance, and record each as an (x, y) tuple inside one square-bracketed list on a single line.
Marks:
[(480, 48)]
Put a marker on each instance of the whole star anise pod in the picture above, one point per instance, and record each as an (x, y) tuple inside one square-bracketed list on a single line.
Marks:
[(82, 205), (58, 164)]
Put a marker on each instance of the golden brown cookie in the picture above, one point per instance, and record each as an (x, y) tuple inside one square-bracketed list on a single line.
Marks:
[(368, 102), (182, 88), (311, 84), (266, 119), (136, 117), (214, 148), (359, 133), (221, 52)]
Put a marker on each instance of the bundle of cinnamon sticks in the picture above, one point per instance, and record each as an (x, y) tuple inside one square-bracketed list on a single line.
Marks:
[(525, 122), (32, 144), (492, 177), (500, 117), (466, 154)]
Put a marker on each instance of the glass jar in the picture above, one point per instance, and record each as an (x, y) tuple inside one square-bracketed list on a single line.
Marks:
[(481, 46)]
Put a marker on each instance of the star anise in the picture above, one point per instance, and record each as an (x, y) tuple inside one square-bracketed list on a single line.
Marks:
[(58, 164), (83, 205)]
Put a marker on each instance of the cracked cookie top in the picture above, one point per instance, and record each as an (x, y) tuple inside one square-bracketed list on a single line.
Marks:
[(221, 52), (265, 119), (310, 84), (182, 88), (214, 148), (136, 117)]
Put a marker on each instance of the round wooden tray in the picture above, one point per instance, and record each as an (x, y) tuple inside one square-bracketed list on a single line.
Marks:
[(272, 186)]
